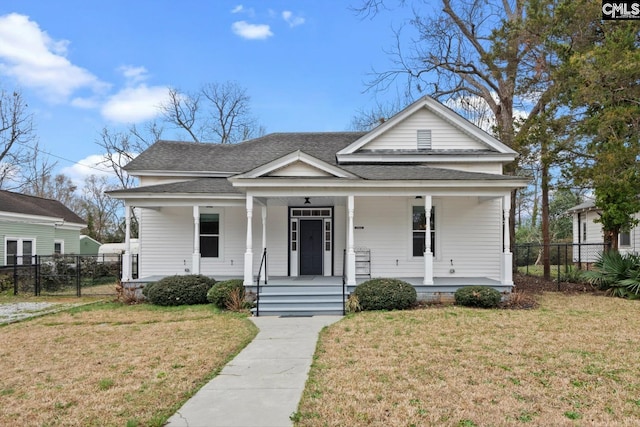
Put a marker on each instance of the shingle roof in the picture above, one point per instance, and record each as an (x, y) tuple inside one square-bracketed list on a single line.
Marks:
[(242, 157), (31, 205), (200, 185), (589, 204), (419, 172)]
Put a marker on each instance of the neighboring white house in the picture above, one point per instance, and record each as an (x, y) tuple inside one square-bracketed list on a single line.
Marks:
[(588, 234), (317, 201)]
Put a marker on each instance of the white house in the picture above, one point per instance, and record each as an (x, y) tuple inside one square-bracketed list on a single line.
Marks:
[(331, 203), (589, 237)]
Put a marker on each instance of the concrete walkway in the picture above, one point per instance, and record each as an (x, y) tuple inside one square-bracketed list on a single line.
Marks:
[(261, 386)]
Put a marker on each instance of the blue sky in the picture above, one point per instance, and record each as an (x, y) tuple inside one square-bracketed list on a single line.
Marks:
[(83, 65)]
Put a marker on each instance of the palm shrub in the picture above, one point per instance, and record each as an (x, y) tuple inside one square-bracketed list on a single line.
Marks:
[(477, 296), (385, 294), (617, 274), (179, 290)]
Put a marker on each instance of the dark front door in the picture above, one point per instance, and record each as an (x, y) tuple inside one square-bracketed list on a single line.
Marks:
[(310, 247)]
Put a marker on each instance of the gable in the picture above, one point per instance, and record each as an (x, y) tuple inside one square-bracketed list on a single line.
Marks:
[(297, 164), (451, 138), (299, 169), (404, 136)]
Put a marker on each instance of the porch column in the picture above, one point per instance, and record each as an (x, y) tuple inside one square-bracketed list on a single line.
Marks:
[(507, 256), (126, 257), (351, 252), (263, 272), (428, 250), (248, 255), (195, 258)]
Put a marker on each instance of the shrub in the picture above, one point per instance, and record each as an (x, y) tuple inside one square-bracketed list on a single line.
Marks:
[(179, 290), (617, 274), (222, 294), (385, 294), (478, 296)]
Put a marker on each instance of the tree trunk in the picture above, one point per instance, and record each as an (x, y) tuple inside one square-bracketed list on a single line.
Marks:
[(546, 240)]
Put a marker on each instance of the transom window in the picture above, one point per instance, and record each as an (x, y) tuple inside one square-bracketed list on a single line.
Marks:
[(210, 235), (419, 231)]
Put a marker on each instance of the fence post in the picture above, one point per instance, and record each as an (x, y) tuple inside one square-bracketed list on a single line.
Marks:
[(78, 275), (558, 253), (528, 254), (15, 275), (36, 276)]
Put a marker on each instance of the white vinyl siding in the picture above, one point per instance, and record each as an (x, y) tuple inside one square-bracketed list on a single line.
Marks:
[(166, 241), (470, 167), (443, 135), (468, 233)]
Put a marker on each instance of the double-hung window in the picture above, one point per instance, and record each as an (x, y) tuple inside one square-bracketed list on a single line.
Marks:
[(19, 251), (624, 239), (210, 235), (419, 231)]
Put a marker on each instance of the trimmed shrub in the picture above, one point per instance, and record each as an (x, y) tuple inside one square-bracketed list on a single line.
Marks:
[(478, 296), (179, 290), (222, 293), (385, 294)]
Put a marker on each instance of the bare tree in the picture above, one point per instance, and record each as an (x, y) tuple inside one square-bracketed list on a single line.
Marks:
[(100, 210), (122, 147), (16, 131), (487, 50), (218, 112), (365, 120)]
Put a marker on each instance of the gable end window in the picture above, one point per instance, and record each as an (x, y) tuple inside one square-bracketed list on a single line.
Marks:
[(419, 231), (424, 139), (210, 235)]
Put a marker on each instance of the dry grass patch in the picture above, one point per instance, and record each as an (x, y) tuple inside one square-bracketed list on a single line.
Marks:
[(112, 365), (572, 361)]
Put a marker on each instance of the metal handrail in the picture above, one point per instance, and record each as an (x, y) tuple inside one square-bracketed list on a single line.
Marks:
[(344, 281), (263, 262)]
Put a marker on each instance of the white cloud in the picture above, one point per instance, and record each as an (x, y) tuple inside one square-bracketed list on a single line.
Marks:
[(134, 104), (133, 75), (251, 31), (291, 19), (29, 55), (91, 165), (241, 9)]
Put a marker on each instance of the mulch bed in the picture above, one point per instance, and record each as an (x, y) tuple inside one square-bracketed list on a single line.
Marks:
[(527, 287)]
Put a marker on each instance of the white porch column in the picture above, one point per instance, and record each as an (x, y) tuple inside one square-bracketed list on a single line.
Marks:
[(248, 255), (263, 272), (195, 258), (126, 257), (507, 256), (351, 252), (428, 250)]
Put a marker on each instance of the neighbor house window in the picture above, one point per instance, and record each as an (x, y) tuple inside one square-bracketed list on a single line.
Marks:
[(58, 247), (624, 239), (419, 231), (210, 235), (19, 251)]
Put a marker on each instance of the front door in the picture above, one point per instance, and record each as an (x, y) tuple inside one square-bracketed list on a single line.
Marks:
[(311, 247)]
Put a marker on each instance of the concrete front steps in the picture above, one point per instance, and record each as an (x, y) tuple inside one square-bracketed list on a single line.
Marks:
[(300, 300)]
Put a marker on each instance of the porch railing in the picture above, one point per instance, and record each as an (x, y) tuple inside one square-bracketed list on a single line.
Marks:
[(263, 263)]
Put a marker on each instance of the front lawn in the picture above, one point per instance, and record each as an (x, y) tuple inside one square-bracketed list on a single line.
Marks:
[(573, 361), (107, 364)]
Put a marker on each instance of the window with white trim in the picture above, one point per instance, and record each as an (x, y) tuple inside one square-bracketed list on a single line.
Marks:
[(58, 247), (209, 235), (624, 239), (419, 231), (19, 251)]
